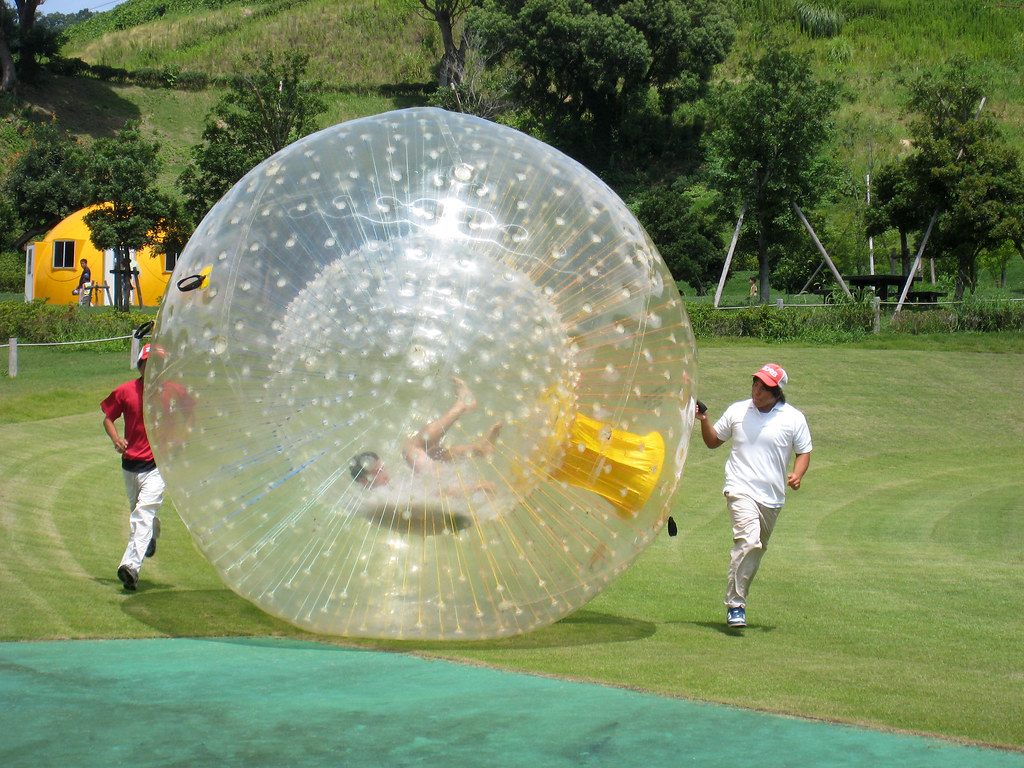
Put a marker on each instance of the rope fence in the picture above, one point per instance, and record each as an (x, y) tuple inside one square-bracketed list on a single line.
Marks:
[(876, 303), (13, 344)]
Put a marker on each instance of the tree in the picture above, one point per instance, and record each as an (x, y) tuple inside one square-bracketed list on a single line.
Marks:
[(123, 171), (30, 40), (8, 33), (61, 22), (897, 204), (766, 148), (268, 107), (22, 38), (48, 181), (962, 169), (446, 13), (479, 87), (8, 225), (681, 220), (603, 79)]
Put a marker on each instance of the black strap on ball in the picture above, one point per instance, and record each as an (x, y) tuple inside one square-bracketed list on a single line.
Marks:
[(190, 283)]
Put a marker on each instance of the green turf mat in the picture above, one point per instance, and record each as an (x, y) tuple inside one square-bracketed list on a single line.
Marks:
[(238, 702)]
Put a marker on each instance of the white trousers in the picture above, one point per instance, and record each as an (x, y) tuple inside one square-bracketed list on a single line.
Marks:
[(145, 495), (752, 525)]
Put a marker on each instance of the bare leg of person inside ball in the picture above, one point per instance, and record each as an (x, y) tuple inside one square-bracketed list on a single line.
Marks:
[(427, 446), (426, 449)]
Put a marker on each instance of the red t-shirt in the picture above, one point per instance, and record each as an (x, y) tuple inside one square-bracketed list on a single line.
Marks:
[(126, 401)]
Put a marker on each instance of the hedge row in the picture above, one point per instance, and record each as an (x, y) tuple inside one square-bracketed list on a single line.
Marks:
[(969, 315), (37, 323), (848, 322), (829, 325)]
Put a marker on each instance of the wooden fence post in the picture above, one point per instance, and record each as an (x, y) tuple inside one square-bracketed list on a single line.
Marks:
[(12, 358), (876, 303)]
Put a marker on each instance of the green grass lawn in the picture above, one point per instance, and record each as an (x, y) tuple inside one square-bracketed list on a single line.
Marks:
[(889, 596)]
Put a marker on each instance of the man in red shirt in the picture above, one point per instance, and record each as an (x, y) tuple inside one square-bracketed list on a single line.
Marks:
[(142, 479)]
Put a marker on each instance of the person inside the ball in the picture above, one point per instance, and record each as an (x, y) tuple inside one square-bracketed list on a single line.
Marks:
[(426, 451)]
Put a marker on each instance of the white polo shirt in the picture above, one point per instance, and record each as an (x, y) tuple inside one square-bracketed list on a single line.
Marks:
[(762, 445)]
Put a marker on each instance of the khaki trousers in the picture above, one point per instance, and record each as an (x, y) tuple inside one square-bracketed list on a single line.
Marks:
[(752, 525)]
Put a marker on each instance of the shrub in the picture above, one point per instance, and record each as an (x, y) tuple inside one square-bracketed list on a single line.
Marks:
[(188, 80), (818, 21), (12, 272), (67, 67), (817, 325), (969, 315), (109, 74), (170, 77), (149, 77), (37, 323)]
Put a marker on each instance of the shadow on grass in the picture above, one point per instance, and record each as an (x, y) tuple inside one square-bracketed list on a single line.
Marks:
[(581, 628), (61, 98), (721, 628), (219, 613), (201, 613)]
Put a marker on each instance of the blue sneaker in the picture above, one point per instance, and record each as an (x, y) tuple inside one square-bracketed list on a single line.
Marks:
[(736, 617)]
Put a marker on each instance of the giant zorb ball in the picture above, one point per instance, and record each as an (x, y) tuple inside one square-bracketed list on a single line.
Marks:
[(330, 304)]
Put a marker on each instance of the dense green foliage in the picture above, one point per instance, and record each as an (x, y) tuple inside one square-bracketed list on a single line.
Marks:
[(48, 181), (36, 322), (682, 219), (961, 169), (269, 105), (603, 80), (768, 149), (851, 321), (12, 272)]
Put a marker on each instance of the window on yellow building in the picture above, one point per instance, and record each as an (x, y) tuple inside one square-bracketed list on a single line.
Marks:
[(170, 259), (64, 254)]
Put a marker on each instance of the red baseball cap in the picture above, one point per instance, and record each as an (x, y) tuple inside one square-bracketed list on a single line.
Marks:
[(772, 375), (144, 352)]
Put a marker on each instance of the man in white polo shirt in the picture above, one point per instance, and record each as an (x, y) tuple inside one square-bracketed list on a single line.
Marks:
[(766, 432)]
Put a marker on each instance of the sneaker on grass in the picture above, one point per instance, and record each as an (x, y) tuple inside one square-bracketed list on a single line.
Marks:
[(128, 577), (736, 617)]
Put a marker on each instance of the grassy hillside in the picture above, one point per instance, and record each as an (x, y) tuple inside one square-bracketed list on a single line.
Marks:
[(357, 45), (374, 42), (358, 42), (92, 109)]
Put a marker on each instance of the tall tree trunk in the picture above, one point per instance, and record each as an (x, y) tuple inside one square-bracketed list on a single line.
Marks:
[(905, 261), (27, 64), (963, 273), (8, 76), (450, 70)]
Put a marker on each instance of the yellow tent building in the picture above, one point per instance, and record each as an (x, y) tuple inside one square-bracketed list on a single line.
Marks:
[(53, 270)]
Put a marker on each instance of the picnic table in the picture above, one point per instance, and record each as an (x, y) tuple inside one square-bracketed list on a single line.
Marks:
[(880, 283), (928, 297)]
